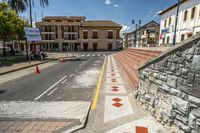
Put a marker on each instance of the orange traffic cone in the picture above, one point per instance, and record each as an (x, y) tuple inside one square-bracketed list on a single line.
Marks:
[(37, 70)]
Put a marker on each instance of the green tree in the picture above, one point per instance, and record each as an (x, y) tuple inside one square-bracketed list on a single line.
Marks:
[(11, 26), (22, 5)]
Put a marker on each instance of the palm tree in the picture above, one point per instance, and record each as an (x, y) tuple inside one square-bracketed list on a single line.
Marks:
[(22, 5), (18, 5)]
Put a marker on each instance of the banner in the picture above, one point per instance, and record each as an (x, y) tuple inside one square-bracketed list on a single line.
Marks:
[(32, 34)]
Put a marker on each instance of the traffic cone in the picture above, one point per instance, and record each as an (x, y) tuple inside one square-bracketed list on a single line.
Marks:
[(37, 70)]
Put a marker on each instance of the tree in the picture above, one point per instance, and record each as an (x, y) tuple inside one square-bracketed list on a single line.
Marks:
[(11, 26), (22, 5), (18, 5)]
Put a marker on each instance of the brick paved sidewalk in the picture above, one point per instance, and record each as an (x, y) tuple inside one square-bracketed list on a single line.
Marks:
[(42, 117)]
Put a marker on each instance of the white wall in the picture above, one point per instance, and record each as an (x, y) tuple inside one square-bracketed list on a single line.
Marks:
[(189, 26)]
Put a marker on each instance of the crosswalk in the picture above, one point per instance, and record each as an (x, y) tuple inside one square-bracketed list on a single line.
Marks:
[(93, 55)]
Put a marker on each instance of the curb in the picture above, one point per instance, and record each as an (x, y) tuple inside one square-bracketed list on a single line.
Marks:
[(83, 122), (14, 70)]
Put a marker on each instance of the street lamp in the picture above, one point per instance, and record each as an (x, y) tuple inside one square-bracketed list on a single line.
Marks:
[(136, 28), (176, 22)]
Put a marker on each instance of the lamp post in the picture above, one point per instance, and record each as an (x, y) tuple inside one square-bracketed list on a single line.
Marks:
[(137, 26), (176, 22)]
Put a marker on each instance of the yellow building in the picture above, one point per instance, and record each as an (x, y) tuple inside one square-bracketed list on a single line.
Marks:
[(75, 33)]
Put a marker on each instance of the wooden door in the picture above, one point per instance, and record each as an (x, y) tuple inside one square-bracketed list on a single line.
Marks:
[(110, 47), (94, 46), (85, 46)]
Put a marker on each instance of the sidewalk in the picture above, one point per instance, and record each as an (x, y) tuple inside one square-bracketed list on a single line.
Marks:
[(23, 65), (117, 111)]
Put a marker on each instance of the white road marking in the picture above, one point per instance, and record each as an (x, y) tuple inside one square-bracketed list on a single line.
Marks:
[(93, 55), (76, 70), (64, 81), (98, 54), (104, 55), (88, 55), (52, 91), (71, 75), (83, 55), (49, 88)]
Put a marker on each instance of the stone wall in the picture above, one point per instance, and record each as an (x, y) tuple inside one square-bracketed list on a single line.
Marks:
[(169, 86)]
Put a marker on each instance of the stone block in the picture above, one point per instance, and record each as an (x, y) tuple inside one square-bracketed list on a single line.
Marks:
[(151, 78), (172, 81), (181, 105), (196, 112), (191, 50), (175, 92), (185, 128), (163, 78), (173, 67), (165, 88), (189, 58), (192, 120), (190, 77), (155, 75), (194, 100), (196, 62), (184, 71), (182, 119), (147, 97)]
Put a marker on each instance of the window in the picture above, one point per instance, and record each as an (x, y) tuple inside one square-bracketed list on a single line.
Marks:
[(85, 35), (182, 37), (58, 20), (185, 15), (110, 35), (95, 35), (47, 20), (70, 20), (170, 20), (165, 23), (193, 12), (189, 35)]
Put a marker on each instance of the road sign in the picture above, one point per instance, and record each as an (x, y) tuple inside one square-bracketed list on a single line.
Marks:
[(32, 34)]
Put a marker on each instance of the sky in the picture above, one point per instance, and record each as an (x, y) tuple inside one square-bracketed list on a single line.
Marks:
[(120, 11)]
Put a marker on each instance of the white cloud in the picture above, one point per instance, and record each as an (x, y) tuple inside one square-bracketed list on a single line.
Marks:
[(116, 5), (124, 29), (107, 2)]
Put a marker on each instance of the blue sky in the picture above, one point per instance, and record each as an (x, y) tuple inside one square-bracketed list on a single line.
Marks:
[(120, 11)]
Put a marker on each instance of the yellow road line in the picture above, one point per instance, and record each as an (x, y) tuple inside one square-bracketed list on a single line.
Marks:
[(95, 99)]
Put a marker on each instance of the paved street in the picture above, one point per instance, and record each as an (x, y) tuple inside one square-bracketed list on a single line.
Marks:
[(62, 91)]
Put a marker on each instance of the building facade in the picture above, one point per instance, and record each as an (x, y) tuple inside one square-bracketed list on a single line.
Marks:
[(188, 22), (78, 34), (145, 36)]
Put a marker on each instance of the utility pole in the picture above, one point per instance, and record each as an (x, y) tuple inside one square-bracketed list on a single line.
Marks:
[(176, 22), (140, 22), (30, 13)]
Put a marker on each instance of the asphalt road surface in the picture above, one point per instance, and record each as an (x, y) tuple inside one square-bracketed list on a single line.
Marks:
[(69, 81)]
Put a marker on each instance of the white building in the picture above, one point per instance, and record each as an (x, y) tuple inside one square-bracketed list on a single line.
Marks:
[(188, 22)]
